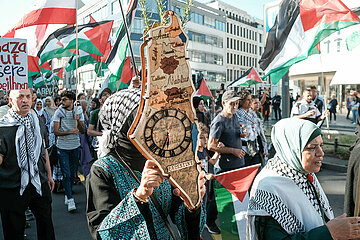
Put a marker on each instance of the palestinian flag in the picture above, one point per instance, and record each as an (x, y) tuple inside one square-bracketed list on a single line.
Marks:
[(232, 198), (38, 24), (250, 77), (300, 25), (92, 38), (84, 58), (203, 91), (117, 56), (127, 74)]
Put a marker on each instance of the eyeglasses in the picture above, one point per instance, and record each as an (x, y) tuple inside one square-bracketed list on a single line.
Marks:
[(313, 148), (64, 99)]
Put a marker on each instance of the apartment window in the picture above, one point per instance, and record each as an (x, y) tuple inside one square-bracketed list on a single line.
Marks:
[(255, 36), (241, 31), (238, 30), (238, 62), (231, 27), (227, 58), (231, 43), (227, 27), (238, 45), (231, 58), (227, 42)]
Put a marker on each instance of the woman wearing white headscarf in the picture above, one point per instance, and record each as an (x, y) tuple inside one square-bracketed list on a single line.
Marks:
[(42, 114), (49, 106), (286, 200)]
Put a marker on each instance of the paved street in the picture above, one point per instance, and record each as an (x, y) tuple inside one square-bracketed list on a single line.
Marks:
[(74, 227)]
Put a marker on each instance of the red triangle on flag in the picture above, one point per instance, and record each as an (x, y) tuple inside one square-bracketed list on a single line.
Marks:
[(99, 35), (60, 44), (107, 51), (204, 90), (126, 73), (33, 64), (238, 182), (60, 73), (92, 20), (253, 75), (46, 65)]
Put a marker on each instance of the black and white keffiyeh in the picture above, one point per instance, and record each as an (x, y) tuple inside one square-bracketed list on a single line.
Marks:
[(28, 142), (253, 125), (113, 114), (285, 194)]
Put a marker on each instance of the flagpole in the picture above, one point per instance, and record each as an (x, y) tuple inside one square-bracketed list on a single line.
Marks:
[(77, 61), (46, 85), (128, 37)]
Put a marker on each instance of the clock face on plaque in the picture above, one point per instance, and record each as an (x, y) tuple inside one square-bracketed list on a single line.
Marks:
[(168, 133)]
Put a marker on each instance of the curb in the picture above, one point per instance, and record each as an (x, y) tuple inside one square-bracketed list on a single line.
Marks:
[(335, 167)]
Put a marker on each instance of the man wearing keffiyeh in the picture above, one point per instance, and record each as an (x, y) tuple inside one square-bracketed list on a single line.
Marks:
[(23, 174)]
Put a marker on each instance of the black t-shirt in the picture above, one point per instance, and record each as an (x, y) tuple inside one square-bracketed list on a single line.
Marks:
[(10, 176), (227, 130)]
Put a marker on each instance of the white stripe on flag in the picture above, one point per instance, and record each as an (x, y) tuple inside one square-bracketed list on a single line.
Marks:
[(297, 44), (240, 209), (56, 4)]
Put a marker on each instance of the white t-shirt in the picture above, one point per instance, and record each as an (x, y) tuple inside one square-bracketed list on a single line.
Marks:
[(303, 107), (67, 123)]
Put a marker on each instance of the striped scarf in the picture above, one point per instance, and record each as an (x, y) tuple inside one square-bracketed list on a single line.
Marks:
[(28, 146)]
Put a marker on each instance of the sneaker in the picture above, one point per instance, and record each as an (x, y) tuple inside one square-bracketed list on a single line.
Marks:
[(66, 200), (71, 205), (212, 228)]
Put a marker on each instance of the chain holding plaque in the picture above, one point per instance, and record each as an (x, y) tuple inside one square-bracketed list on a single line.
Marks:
[(163, 128)]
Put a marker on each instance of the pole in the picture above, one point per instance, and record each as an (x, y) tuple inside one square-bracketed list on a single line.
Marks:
[(77, 62), (285, 103), (128, 37)]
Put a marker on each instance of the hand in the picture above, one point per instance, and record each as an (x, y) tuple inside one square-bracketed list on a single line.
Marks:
[(209, 176), (343, 227), (310, 113), (151, 178), (77, 117), (74, 131), (51, 183), (135, 82), (220, 145), (177, 192), (239, 153), (325, 115)]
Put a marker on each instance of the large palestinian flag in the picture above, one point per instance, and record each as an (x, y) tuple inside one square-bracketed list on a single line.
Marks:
[(117, 56), (250, 77), (300, 25), (38, 24), (92, 38), (232, 198)]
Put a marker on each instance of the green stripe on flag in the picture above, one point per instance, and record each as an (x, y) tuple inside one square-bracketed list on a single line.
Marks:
[(323, 32), (120, 58), (226, 210)]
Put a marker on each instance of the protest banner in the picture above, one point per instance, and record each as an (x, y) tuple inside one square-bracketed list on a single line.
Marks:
[(13, 64)]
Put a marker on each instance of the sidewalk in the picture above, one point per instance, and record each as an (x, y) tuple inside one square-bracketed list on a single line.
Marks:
[(340, 126)]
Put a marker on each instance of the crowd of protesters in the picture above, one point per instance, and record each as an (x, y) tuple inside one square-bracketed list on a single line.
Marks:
[(231, 136)]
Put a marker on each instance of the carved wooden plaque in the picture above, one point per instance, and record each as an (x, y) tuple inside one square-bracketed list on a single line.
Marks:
[(163, 128)]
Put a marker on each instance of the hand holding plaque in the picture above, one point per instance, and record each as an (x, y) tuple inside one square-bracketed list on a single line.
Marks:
[(163, 128)]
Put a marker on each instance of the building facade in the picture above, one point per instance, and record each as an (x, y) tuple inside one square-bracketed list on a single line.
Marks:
[(244, 40)]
